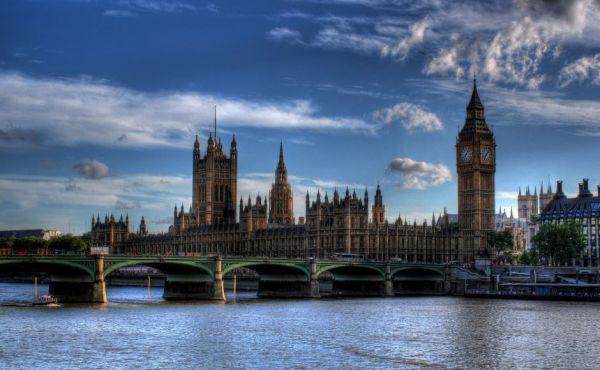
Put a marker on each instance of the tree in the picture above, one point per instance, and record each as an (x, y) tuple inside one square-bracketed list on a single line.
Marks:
[(529, 258), (559, 243), (502, 243), (29, 243), (69, 243), (6, 243)]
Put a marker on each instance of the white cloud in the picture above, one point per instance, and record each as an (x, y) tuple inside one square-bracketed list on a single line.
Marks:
[(91, 169), (285, 34), (533, 108), (416, 35), (419, 175), (413, 117), (583, 69), (509, 195), (167, 6), (119, 13), (70, 112), (505, 42), (334, 38)]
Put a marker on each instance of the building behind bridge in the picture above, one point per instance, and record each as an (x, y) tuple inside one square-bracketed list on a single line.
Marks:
[(344, 223)]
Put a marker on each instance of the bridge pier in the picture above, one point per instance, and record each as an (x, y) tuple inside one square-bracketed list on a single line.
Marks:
[(80, 288), (388, 284), (315, 289), (192, 287)]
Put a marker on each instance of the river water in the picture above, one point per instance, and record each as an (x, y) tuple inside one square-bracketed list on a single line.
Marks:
[(139, 331)]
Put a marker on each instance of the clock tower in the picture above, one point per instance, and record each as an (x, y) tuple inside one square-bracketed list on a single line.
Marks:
[(476, 167)]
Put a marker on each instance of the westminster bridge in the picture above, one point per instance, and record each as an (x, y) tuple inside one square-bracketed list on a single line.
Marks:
[(82, 278)]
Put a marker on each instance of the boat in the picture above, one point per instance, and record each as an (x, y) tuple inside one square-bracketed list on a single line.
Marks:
[(43, 300)]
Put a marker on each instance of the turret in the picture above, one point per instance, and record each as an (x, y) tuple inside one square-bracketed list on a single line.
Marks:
[(143, 230), (211, 144), (378, 197), (196, 149), (233, 148)]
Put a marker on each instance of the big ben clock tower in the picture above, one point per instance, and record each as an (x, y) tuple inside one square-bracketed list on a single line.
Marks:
[(476, 166)]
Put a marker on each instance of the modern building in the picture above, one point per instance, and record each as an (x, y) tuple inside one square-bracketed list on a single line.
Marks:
[(585, 209), (340, 224)]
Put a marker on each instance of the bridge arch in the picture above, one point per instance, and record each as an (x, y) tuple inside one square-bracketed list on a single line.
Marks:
[(85, 268), (164, 265), (350, 268), (417, 270), (418, 280), (267, 266)]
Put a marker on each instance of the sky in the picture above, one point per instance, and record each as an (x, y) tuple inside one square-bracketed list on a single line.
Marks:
[(100, 101)]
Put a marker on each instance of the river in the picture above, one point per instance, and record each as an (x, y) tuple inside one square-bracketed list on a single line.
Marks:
[(138, 330)]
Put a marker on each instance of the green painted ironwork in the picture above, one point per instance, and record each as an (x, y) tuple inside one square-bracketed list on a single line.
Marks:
[(87, 264), (332, 265)]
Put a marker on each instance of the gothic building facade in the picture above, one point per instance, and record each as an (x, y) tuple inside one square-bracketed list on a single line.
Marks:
[(343, 224), (281, 196), (214, 181), (476, 167), (533, 204)]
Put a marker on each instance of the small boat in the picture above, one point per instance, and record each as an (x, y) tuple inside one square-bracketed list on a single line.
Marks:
[(45, 300)]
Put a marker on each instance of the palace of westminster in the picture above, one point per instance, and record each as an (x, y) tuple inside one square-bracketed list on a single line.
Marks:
[(345, 223)]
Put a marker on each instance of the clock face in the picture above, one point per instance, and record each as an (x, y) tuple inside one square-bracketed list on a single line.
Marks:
[(486, 153), (466, 154)]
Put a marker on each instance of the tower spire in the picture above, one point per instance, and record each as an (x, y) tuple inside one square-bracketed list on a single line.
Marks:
[(215, 122), (281, 152)]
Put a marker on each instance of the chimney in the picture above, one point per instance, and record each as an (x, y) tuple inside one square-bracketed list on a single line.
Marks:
[(559, 191), (580, 189), (598, 191), (584, 190)]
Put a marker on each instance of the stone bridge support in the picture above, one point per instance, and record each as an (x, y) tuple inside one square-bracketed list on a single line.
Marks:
[(197, 286), (80, 288)]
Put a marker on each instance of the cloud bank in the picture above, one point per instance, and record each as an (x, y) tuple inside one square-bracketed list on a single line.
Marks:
[(75, 111)]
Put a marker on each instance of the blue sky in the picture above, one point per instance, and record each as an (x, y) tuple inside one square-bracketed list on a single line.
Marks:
[(100, 100)]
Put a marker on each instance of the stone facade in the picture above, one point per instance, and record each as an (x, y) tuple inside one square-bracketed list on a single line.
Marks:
[(214, 180), (476, 167), (281, 196), (533, 204), (340, 225)]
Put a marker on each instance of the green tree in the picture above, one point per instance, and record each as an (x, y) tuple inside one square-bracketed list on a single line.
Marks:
[(6, 243), (529, 258), (502, 243), (70, 243), (559, 243), (29, 243)]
